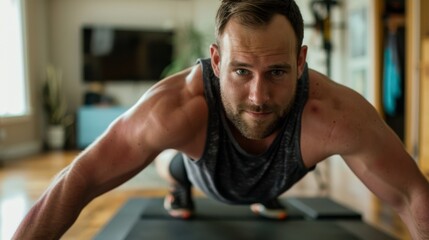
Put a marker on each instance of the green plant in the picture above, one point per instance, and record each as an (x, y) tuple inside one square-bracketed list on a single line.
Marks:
[(188, 43), (54, 101)]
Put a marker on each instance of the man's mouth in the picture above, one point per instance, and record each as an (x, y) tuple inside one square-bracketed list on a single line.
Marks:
[(258, 114)]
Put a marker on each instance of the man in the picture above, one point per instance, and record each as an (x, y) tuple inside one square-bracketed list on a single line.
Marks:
[(249, 123)]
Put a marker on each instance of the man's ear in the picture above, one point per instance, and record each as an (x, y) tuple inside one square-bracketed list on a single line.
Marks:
[(215, 58), (302, 57)]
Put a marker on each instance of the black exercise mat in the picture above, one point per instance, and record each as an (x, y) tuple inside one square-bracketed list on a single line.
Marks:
[(208, 209), (131, 223), (237, 230), (364, 231), (323, 208)]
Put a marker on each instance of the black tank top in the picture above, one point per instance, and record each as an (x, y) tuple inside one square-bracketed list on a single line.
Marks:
[(227, 172)]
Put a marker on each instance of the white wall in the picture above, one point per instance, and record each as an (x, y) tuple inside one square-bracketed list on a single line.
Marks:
[(316, 56), (204, 20), (360, 33)]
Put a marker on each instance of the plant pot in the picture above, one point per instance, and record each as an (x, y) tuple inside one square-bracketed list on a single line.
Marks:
[(55, 137)]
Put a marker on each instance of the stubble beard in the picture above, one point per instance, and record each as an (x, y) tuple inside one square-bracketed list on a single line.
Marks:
[(256, 129)]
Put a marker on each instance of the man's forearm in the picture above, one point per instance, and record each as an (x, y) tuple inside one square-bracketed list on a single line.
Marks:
[(418, 229), (55, 211), (416, 215), (40, 223), (421, 224)]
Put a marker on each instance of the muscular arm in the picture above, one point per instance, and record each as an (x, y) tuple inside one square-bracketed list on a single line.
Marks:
[(376, 155), (102, 167), (159, 121)]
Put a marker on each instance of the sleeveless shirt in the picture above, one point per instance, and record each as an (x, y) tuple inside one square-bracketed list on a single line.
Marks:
[(228, 173)]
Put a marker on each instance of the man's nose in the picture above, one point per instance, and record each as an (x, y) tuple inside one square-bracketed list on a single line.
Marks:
[(258, 91)]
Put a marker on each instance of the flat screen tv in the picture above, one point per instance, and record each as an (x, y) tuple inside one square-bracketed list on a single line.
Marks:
[(125, 54)]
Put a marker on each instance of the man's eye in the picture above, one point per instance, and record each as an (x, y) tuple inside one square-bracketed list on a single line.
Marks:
[(241, 72), (277, 73)]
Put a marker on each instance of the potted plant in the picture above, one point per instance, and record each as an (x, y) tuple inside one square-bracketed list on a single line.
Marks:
[(189, 44), (56, 108)]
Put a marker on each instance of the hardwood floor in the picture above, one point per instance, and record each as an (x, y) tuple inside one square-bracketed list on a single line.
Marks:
[(23, 181)]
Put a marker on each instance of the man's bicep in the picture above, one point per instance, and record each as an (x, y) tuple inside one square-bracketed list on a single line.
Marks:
[(116, 156)]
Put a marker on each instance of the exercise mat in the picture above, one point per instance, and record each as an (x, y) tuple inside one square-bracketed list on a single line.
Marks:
[(309, 218)]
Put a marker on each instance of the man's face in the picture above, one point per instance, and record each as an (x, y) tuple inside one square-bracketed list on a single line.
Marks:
[(258, 70)]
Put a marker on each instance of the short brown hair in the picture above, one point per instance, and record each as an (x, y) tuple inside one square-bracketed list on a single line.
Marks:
[(259, 12)]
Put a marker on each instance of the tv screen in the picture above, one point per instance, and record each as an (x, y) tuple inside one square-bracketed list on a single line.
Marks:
[(125, 54)]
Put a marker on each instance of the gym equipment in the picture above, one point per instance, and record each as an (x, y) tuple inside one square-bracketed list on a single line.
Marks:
[(309, 218)]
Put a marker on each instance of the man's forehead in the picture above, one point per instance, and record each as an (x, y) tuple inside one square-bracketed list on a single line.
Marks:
[(261, 41), (277, 34)]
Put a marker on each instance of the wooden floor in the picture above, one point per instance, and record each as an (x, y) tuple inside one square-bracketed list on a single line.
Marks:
[(24, 180)]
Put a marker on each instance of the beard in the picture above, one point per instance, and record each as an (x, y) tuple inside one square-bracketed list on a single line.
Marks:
[(256, 129)]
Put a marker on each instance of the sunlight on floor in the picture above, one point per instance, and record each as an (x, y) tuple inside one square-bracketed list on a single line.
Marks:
[(13, 206)]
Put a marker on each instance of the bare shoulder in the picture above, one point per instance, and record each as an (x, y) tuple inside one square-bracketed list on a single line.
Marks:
[(172, 113), (337, 119)]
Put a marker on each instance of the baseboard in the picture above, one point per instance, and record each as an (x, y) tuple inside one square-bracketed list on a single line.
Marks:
[(20, 150)]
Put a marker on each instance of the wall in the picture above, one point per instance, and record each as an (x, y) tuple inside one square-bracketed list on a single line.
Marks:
[(316, 56), (67, 17), (23, 135), (204, 21)]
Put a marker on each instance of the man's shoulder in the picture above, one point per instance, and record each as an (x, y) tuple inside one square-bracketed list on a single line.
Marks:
[(177, 89), (338, 115), (333, 95), (174, 108)]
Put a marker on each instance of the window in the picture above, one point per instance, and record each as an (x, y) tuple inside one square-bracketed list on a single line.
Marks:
[(13, 83)]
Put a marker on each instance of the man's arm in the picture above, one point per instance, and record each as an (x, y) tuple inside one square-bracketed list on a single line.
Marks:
[(377, 156), (106, 164), (160, 120)]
